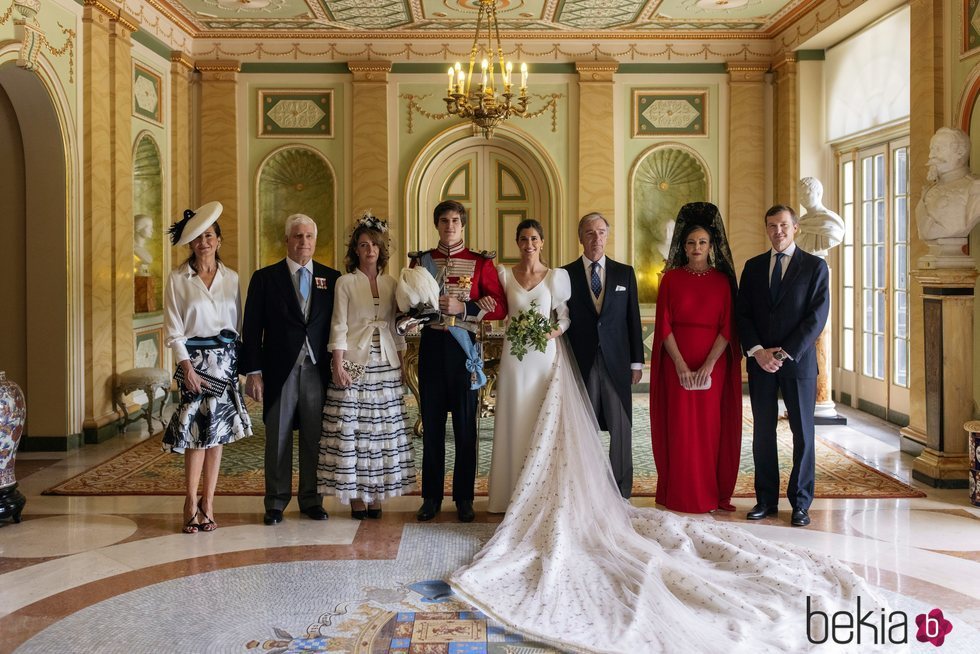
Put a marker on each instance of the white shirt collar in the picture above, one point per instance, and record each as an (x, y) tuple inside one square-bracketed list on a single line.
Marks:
[(789, 252), (188, 272), (293, 266), (587, 262)]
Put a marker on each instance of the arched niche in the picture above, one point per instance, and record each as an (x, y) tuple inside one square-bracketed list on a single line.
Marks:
[(664, 178), (41, 271), (147, 224), (294, 179)]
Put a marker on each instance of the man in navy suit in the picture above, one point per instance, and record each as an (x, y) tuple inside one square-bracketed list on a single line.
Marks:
[(782, 305), (607, 340), (284, 351)]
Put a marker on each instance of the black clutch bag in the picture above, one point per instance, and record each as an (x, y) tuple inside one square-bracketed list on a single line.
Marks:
[(214, 387)]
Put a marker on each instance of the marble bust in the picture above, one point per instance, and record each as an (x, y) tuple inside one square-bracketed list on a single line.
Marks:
[(142, 233), (820, 228), (950, 203)]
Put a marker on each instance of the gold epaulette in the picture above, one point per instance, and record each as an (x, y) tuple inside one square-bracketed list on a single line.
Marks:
[(488, 254), (417, 254)]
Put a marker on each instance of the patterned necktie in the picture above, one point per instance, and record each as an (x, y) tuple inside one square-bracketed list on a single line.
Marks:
[(304, 284), (596, 284), (777, 276)]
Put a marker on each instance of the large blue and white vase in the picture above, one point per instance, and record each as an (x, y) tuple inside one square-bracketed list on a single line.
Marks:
[(13, 412)]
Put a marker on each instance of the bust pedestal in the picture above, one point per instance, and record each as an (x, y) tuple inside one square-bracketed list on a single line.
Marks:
[(947, 253), (947, 308), (144, 298)]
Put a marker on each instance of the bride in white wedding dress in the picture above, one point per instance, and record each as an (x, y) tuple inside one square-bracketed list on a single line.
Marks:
[(576, 566)]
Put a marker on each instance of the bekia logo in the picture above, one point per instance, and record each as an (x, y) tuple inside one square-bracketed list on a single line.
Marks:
[(933, 627), (874, 626)]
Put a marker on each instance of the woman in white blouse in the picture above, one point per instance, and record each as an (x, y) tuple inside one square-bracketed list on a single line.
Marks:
[(202, 312), (366, 448)]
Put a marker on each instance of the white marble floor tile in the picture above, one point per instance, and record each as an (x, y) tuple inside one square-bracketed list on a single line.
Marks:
[(64, 534)]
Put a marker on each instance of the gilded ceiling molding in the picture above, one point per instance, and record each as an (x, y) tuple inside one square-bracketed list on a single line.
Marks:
[(748, 71), (596, 71), (181, 59), (103, 6), (174, 17), (172, 33), (799, 26), (218, 70), (454, 35), (369, 71), (444, 52), (127, 20)]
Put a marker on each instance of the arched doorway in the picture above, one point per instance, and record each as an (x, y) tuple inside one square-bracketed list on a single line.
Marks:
[(500, 182), (39, 274)]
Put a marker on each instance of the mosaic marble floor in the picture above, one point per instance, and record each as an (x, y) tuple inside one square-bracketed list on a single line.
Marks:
[(111, 574)]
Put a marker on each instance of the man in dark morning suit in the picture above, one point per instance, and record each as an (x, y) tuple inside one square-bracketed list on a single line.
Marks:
[(782, 305), (284, 335), (606, 338)]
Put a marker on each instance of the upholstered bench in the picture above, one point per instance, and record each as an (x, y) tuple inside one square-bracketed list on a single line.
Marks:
[(147, 380)]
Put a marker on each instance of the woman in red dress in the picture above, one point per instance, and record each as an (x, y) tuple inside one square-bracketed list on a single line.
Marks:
[(695, 380)]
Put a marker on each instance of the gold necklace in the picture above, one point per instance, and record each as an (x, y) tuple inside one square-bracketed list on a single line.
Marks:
[(698, 273)]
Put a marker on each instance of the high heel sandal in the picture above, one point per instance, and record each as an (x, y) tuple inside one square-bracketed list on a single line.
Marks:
[(192, 527), (208, 524)]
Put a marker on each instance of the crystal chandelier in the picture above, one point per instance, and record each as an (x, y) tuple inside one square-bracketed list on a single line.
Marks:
[(481, 102)]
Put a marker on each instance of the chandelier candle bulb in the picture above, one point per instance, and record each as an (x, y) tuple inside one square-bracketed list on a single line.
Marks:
[(452, 79), (523, 77), (507, 73)]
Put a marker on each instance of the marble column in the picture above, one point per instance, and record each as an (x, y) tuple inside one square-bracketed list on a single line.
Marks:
[(786, 141), (218, 177), (181, 187), (97, 174), (927, 115), (370, 185), (947, 312), (596, 161), (747, 202)]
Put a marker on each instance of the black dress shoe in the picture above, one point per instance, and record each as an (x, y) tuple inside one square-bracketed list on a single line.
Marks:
[(358, 514), (272, 517), (428, 510), (760, 511), (464, 510), (374, 514), (800, 518), (315, 513)]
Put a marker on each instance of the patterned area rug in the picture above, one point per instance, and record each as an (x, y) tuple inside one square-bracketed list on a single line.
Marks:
[(145, 469)]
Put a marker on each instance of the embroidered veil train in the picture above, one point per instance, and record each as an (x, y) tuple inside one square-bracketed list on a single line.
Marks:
[(576, 566)]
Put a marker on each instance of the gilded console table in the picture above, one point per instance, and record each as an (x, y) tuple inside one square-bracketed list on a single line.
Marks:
[(491, 337)]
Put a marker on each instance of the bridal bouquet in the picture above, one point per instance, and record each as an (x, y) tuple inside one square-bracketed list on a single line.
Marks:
[(529, 329)]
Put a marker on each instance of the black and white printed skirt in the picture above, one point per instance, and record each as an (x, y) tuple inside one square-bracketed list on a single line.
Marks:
[(203, 421), (366, 447)]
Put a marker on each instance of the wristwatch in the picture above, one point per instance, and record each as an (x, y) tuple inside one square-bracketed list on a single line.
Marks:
[(779, 355)]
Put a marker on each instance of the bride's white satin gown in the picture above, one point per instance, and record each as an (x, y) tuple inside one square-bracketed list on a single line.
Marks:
[(574, 565)]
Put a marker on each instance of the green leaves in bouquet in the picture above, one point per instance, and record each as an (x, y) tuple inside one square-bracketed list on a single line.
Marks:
[(529, 329)]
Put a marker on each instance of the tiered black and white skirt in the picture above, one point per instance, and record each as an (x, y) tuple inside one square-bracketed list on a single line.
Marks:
[(203, 421), (366, 447)]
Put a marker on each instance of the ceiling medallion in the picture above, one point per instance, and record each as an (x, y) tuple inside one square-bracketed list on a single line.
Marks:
[(480, 102)]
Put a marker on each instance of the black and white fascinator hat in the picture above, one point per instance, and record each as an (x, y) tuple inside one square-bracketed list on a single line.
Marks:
[(194, 223)]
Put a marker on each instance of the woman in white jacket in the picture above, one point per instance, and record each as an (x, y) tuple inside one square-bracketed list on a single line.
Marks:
[(366, 446)]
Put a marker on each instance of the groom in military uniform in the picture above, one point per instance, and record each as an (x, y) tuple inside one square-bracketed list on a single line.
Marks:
[(450, 365)]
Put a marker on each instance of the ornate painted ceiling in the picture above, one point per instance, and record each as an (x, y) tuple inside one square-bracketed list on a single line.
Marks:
[(446, 18)]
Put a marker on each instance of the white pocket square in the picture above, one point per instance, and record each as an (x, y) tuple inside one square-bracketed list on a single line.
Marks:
[(620, 288)]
